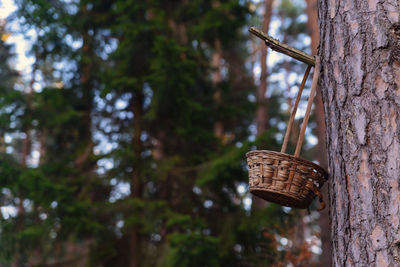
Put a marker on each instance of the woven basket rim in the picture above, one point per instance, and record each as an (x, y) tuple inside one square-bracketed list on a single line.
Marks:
[(291, 157)]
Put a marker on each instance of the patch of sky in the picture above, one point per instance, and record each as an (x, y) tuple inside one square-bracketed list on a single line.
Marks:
[(242, 188), (253, 131), (104, 165), (120, 224), (148, 94), (196, 190), (286, 209), (108, 44), (285, 106), (72, 7), (73, 42), (253, 128), (252, 98), (120, 191), (281, 126), (247, 201), (43, 216), (121, 104), (279, 137), (208, 204), (99, 101), (7, 139), (8, 211), (155, 237), (54, 204), (237, 248), (195, 44), (28, 205)]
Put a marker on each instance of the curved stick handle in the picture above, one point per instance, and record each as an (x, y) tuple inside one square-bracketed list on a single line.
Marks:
[(294, 110), (309, 104)]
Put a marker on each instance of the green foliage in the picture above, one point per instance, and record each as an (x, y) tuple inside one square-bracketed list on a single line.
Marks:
[(192, 249)]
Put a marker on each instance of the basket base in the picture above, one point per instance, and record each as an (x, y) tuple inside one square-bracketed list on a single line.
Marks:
[(281, 199), (284, 179)]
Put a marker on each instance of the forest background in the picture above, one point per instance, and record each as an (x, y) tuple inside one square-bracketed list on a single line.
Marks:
[(124, 127)]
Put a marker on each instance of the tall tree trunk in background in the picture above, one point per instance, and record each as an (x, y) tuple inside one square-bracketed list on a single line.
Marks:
[(42, 146), (261, 115), (83, 160), (262, 112), (25, 152), (360, 81), (2, 143), (216, 80), (312, 25), (216, 77), (18, 257), (136, 183)]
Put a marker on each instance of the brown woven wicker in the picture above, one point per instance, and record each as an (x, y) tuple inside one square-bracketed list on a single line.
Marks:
[(285, 179)]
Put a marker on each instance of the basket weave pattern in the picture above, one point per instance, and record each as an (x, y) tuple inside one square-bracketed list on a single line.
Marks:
[(284, 179)]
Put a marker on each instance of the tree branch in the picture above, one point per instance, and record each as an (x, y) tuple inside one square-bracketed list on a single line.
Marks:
[(283, 48)]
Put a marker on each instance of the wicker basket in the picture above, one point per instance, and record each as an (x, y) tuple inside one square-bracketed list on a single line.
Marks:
[(285, 179)]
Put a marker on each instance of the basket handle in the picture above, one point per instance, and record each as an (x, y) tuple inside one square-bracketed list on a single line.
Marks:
[(309, 104), (294, 110)]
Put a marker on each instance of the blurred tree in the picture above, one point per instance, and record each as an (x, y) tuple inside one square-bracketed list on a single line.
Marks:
[(261, 116), (132, 169), (12, 105), (60, 193), (313, 30), (262, 104), (8, 78)]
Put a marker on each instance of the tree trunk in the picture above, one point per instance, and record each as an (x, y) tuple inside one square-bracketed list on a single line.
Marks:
[(83, 160), (136, 183), (216, 80), (312, 25), (360, 81), (261, 112), (261, 115)]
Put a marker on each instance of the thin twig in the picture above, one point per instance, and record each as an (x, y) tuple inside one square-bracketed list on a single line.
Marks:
[(293, 114), (308, 109)]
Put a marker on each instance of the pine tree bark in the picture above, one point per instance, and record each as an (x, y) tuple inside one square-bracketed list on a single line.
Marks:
[(360, 81), (324, 223)]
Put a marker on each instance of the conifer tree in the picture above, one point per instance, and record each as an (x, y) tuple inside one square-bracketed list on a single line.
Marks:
[(131, 170)]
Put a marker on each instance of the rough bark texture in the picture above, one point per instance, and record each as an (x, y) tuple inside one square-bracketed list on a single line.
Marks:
[(360, 81), (324, 223)]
